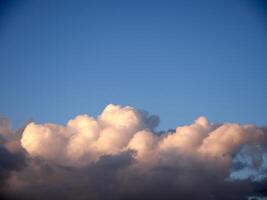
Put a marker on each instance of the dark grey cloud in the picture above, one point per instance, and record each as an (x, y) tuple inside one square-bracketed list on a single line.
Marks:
[(114, 177)]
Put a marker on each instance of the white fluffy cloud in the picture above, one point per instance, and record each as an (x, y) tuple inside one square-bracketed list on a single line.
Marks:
[(120, 155), (85, 139)]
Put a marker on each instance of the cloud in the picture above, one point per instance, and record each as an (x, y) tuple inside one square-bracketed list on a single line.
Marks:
[(84, 139), (120, 155), (12, 156)]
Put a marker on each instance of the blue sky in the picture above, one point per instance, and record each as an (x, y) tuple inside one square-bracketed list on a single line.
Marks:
[(176, 59)]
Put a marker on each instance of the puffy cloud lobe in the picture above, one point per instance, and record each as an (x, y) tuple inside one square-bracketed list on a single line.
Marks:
[(84, 139), (119, 155), (227, 138)]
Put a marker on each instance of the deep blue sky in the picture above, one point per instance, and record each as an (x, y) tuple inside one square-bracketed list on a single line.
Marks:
[(176, 59)]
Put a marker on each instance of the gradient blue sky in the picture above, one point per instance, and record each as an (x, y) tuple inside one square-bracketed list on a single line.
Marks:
[(176, 59)]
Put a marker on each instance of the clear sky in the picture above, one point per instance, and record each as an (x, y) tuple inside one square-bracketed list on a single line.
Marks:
[(176, 59)]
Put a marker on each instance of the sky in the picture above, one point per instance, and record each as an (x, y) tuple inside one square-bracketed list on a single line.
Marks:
[(133, 99), (175, 59)]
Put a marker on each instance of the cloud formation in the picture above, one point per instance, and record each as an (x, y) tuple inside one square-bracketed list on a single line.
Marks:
[(120, 155)]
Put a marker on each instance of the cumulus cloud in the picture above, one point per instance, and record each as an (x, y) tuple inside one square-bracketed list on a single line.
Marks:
[(120, 155), (84, 139)]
